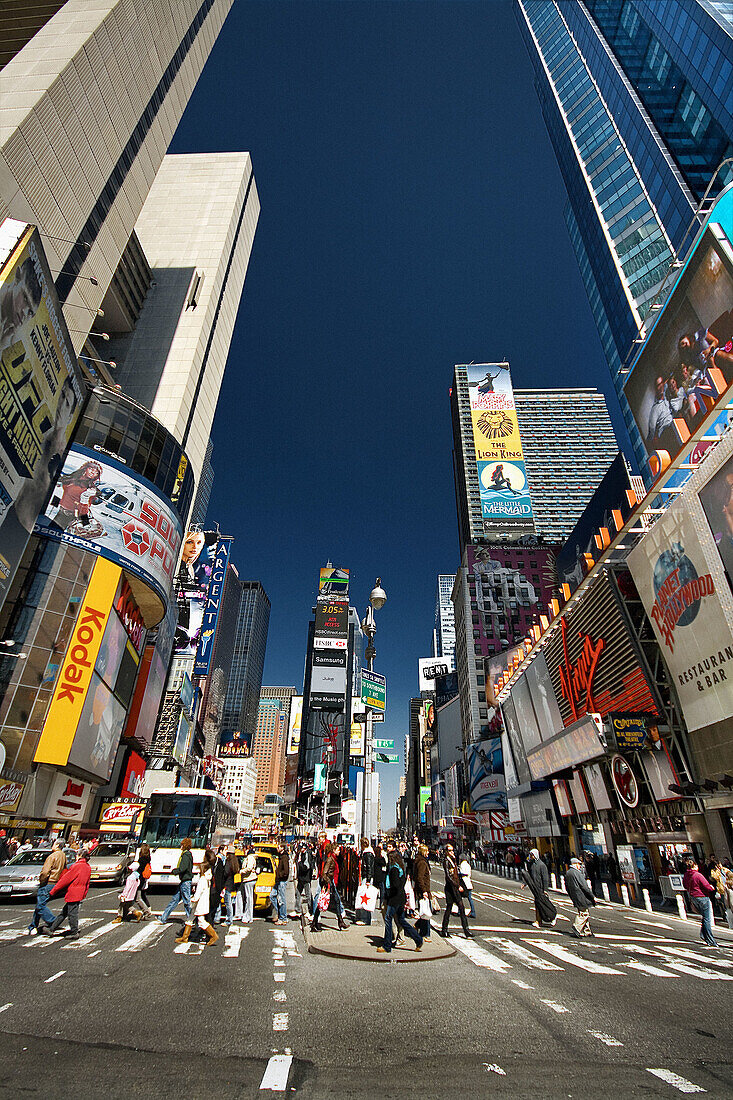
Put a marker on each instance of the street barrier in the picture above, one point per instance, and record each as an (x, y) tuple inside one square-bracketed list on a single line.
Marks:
[(681, 907), (625, 894), (563, 887), (604, 888), (553, 880), (647, 901)]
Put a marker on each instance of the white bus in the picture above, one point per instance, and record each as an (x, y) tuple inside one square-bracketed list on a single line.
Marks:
[(173, 813)]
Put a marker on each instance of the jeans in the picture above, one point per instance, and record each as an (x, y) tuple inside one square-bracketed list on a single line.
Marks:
[(469, 895), (228, 902), (70, 911), (182, 894), (42, 911), (249, 901), (238, 904), (303, 899), (277, 899), (705, 909), (398, 913)]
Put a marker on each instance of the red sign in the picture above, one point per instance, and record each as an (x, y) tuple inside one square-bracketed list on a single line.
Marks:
[(577, 678), (127, 609), (624, 781), (134, 773)]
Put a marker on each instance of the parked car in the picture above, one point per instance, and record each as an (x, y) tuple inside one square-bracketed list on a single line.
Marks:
[(19, 877), (110, 859), (265, 879)]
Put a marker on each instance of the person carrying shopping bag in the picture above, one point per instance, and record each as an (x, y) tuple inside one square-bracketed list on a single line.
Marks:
[(201, 902)]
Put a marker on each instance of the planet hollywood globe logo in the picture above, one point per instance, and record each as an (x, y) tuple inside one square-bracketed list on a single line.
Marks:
[(678, 592)]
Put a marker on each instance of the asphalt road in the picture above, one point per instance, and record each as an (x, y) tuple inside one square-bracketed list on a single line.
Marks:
[(642, 1009)]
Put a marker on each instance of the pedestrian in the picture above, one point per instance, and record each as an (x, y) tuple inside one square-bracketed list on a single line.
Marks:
[(249, 878), (4, 847), (277, 894), (184, 870), (201, 902), (126, 909), (717, 879), (328, 882), (366, 876), (144, 859), (454, 891), (74, 883), (728, 898), (54, 866), (700, 892), (232, 879), (380, 872), (536, 876), (218, 875), (581, 896), (304, 866), (395, 896), (464, 871), (423, 893)]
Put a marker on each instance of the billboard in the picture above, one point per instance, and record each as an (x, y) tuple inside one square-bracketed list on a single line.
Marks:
[(511, 726), (99, 504), (134, 773), (41, 391), (234, 743), (332, 621), (182, 739), (67, 799), (296, 717), (583, 741), (499, 457), (358, 733), (74, 683), (197, 557), (681, 596), (494, 665), (549, 718), (446, 688), (485, 768), (716, 498), (190, 617), (117, 816), (211, 606), (685, 367), (333, 582), (429, 669), (328, 686), (151, 681)]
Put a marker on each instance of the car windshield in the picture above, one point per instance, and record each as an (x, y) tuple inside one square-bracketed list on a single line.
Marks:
[(264, 865), (108, 851), (28, 857)]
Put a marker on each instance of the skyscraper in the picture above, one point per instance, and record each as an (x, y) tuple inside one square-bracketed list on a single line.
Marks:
[(638, 103), (206, 484), (269, 744), (248, 661), (444, 631), (568, 443)]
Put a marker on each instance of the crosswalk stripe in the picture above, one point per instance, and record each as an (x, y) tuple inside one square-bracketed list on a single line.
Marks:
[(480, 957), (143, 938), (90, 937), (574, 960), (709, 960), (188, 949), (233, 942), (46, 941), (645, 968), (9, 934), (516, 951), (695, 972)]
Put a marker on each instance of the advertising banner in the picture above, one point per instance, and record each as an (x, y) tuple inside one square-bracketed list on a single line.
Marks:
[(680, 594), (429, 669), (424, 799), (132, 784), (182, 740), (499, 457), (629, 731), (333, 582), (715, 498), (190, 617), (197, 557), (357, 737), (685, 367), (151, 681), (129, 613), (542, 694), (328, 687), (41, 392), (117, 817), (296, 717), (578, 744), (446, 688), (525, 714), (67, 800), (212, 605), (494, 665), (485, 767), (234, 743), (596, 784), (10, 794), (660, 773), (73, 685), (513, 732), (99, 504)]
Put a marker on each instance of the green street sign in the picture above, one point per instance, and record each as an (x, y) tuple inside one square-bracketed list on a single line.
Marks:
[(382, 743), (387, 757), (373, 690)]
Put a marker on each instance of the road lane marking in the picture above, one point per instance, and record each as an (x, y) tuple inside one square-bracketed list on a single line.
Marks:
[(280, 995), (491, 1067), (93, 953), (564, 955), (280, 1021), (188, 949), (233, 942), (4, 1008), (90, 937), (140, 939), (607, 1039), (696, 957), (645, 968), (279, 975), (46, 941), (8, 934), (651, 923), (555, 1006), (515, 951), (480, 957), (674, 1079), (276, 1074), (695, 972), (521, 984), (55, 976)]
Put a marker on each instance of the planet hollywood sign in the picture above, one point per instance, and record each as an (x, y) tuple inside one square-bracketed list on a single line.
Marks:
[(678, 601)]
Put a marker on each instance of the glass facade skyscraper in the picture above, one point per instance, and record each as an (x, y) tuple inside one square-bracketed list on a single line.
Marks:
[(444, 632), (638, 103), (248, 663)]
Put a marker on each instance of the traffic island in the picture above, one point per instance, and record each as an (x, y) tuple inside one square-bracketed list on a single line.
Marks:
[(360, 942)]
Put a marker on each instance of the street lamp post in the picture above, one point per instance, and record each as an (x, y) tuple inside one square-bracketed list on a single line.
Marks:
[(377, 600)]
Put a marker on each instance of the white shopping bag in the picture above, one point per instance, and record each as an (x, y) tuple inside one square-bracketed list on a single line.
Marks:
[(410, 896), (366, 897)]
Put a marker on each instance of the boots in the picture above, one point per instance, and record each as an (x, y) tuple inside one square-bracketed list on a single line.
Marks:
[(314, 922), (183, 938), (212, 934), (138, 915), (342, 924)]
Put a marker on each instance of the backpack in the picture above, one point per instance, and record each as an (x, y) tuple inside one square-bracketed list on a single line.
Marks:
[(147, 871)]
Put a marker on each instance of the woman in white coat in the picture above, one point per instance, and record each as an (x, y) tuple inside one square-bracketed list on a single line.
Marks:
[(200, 903), (464, 871)]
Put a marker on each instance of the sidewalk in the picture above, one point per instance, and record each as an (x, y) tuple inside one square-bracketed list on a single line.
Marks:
[(361, 942)]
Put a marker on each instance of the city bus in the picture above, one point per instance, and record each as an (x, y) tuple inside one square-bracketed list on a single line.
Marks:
[(173, 813)]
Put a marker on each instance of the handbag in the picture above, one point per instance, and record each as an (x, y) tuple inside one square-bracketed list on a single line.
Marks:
[(324, 899), (424, 909), (366, 897), (147, 871), (435, 905)]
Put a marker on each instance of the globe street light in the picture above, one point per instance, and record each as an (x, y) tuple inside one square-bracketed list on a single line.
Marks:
[(377, 600)]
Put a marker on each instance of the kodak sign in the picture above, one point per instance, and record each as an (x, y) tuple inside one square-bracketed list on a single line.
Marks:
[(75, 676)]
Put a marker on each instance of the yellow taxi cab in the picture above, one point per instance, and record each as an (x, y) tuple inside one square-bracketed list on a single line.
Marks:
[(265, 876)]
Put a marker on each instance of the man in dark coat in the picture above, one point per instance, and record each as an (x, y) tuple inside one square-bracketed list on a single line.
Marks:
[(277, 894), (537, 877), (395, 892), (581, 896), (454, 891)]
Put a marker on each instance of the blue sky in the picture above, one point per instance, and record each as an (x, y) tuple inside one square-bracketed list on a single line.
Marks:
[(412, 218)]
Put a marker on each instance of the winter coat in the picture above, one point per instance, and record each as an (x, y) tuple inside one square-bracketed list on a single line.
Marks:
[(329, 869), (184, 870), (395, 892), (421, 877), (380, 870), (249, 868), (200, 900), (578, 890), (53, 867), (304, 864), (367, 865), (282, 871), (231, 868), (75, 881), (464, 870), (539, 874), (450, 867), (131, 886)]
